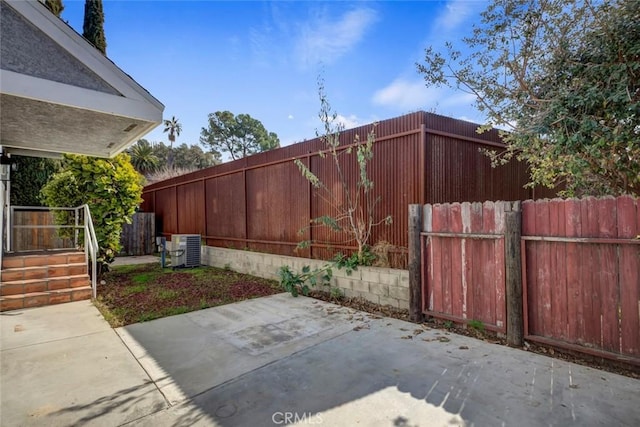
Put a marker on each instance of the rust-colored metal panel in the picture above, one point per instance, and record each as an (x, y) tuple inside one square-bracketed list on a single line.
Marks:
[(418, 158), (395, 174), (166, 211), (277, 203), (225, 206), (148, 201), (191, 201), (457, 171)]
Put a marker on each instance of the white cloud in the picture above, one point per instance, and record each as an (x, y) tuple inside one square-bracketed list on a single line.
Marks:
[(405, 94), (347, 122), (454, 14), (324, 39), (290, 117)]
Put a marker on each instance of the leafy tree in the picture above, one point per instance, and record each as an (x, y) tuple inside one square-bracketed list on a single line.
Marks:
[(564, 77), (192, 156), (240, 135), (149, 158), (143, 157), (31, 175), (162, 153), (355, 205), (93, 26), (55, 6), (112, 189), (173, 128)]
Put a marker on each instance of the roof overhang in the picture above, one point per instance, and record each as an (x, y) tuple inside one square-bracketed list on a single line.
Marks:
[(43, 114)]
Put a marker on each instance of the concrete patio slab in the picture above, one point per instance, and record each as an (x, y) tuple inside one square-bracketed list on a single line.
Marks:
[(63, 365), (189, 354), (385, 372)]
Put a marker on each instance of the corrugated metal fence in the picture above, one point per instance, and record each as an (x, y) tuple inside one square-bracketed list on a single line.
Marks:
[(262, 201), (580, 270)]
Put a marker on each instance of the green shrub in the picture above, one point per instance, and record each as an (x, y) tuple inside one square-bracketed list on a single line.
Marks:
[(111, 187)]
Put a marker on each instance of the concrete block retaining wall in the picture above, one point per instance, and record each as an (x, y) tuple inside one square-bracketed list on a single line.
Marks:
[(385, 286)]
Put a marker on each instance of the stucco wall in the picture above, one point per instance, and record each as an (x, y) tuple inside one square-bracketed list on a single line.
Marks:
[(385, 286), (27, 50)]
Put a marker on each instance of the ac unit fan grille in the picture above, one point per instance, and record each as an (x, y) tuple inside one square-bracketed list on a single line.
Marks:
[(186, 250)]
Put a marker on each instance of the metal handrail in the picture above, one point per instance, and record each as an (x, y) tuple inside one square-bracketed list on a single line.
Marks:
[(91, 242)]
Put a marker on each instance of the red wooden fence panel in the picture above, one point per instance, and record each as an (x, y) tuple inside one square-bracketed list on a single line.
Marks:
[(464, 268), (581, 274)]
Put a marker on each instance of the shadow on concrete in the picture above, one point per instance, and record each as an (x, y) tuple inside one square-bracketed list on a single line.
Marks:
[(369, 371), (360, 370), (124, 401), (351, 379)]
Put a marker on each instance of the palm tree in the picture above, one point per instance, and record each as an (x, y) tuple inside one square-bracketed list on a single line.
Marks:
[(174, 128), (143, 158)]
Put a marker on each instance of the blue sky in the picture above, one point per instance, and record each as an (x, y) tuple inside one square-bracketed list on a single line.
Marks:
[(263, 58)]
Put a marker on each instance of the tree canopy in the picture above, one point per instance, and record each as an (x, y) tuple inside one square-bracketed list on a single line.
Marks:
[(240, 135), (147, 157), (563, 77), (143, 157)]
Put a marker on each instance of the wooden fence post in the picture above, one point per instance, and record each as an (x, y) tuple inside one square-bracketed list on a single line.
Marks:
[(513, 276), (415, 264)]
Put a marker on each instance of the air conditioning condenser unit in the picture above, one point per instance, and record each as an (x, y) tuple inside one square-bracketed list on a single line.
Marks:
[(185, 250)]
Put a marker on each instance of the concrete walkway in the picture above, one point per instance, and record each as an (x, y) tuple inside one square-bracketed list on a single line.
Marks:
[(63, 365), (282, 360)]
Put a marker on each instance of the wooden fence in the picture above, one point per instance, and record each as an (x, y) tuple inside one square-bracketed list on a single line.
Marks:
[(577, 271), (262, 201), (35, 239), (581, 273), (139, 237), (465, 278)]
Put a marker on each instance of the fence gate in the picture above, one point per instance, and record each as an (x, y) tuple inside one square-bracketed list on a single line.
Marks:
[(463, 263)]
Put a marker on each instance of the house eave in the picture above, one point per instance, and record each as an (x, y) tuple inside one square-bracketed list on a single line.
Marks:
[(39, 115)]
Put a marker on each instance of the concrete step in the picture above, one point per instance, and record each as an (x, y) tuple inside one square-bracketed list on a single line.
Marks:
[(42, 259), (39, 299), (42, 272), (36, 280), (16, 287)]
